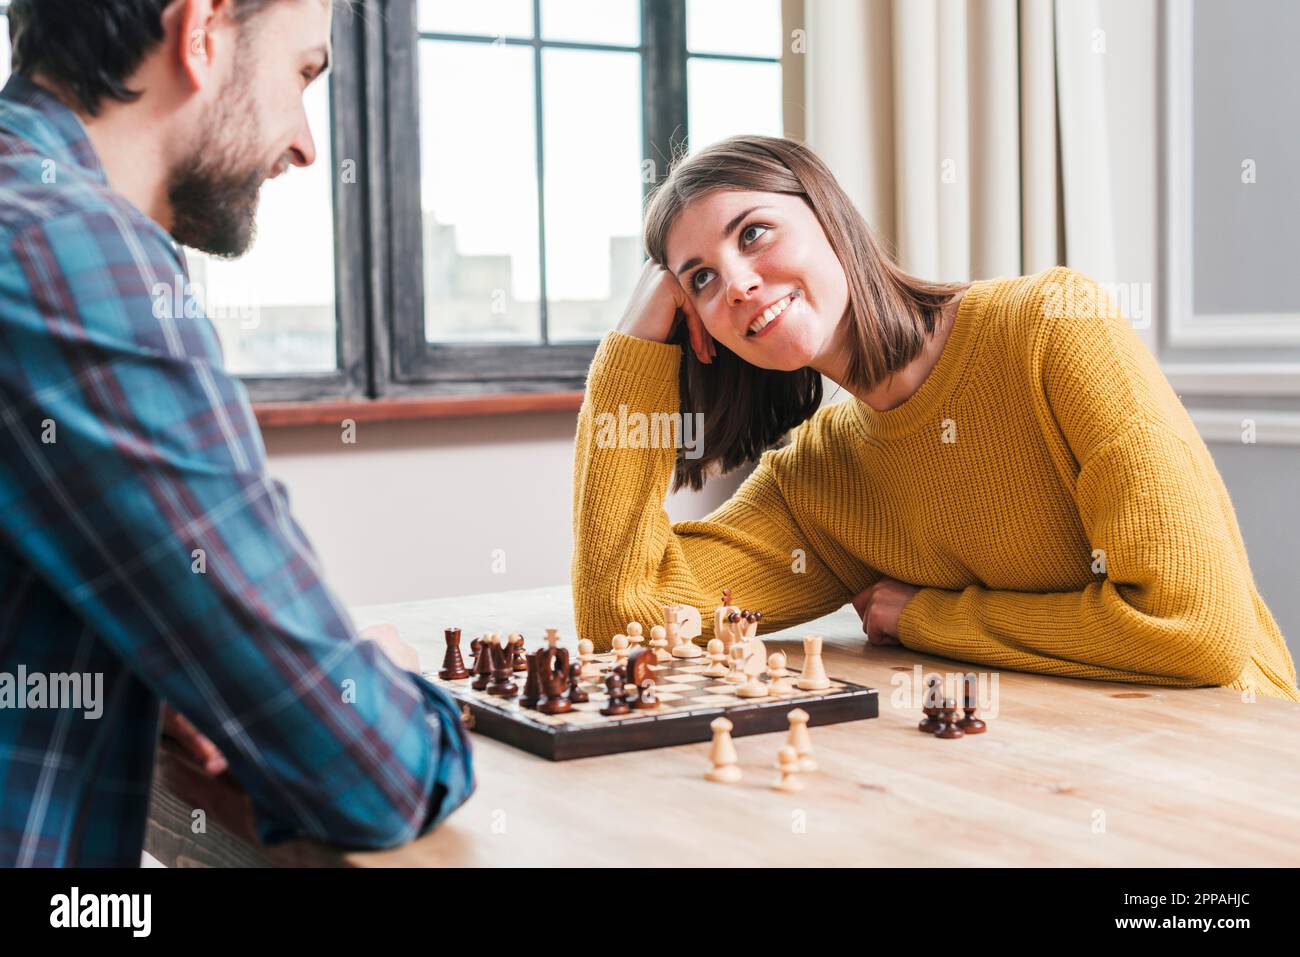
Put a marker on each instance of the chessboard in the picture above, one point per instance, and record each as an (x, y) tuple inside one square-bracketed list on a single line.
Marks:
[(688, 702)]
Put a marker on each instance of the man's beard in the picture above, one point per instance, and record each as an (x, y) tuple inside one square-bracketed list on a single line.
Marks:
[(214, 190)]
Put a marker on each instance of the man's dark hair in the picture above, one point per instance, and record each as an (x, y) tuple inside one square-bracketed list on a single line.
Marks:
[(89, 50)]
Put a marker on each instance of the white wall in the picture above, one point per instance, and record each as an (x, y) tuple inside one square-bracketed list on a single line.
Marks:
[(416, 509)]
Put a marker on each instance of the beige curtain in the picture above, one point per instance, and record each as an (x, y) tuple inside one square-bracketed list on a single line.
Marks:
[(970, 133)]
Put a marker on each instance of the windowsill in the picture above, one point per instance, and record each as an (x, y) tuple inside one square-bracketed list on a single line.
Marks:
[(271, 415)]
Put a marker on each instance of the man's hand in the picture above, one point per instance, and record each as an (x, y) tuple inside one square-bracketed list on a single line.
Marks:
[(178, 727), (385, 635), (880, 606)]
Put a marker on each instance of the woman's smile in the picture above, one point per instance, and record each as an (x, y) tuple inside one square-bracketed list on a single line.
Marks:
[(772, 315)]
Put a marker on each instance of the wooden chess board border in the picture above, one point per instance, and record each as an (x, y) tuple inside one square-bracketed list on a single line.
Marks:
[(512, 725)]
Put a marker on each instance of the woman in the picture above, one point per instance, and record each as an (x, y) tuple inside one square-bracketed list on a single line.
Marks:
[(1011, 481)]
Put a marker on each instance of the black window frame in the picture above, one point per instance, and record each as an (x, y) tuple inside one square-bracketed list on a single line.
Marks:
[(378, 233)]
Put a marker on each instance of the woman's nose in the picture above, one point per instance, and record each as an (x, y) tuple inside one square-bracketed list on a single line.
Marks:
[(742, 289)]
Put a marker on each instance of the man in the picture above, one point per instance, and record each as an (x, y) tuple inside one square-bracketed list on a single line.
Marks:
[(142, 543)]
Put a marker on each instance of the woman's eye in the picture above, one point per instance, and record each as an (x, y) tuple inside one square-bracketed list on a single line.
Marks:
[(699, 279), (748, 234)]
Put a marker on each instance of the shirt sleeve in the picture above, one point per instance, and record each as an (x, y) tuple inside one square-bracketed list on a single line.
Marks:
[(137, 486), (629, 560), (1171, 600)]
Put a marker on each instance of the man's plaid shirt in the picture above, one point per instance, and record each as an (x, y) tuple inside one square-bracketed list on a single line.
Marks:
[(142, 539)]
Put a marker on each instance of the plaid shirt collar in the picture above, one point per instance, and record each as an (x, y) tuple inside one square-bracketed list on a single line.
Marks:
[(36, 115)]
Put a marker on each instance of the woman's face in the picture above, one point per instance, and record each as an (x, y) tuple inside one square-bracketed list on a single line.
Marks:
[(762, 276)]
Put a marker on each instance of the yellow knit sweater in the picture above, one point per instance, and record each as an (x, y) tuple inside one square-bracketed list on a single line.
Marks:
[(1044, 486)]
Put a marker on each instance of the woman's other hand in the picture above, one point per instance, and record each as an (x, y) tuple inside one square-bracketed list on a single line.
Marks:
[(658, 303)]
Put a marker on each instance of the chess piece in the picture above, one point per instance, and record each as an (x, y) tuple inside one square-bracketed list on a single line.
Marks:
[(800, 740), (502, 683), (971, 724), (789, 763), (689, 624), (532, 684), (638, 667), (647, 700), (813, 677), (722, 754), (635, 634), (948, 727), (777, 673), (718, 657), (482, 663), (518, 661), (736, 673), (453, 665), (721, 621), (552, 638), (474, 645), (617, 703), (587, 655), (577, 694), (620, 646), (659, 642), (932, 704), (753, 664), (679, 645), (553, 679)]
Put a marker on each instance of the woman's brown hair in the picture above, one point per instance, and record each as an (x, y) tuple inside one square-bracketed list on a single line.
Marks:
[(747, 410)]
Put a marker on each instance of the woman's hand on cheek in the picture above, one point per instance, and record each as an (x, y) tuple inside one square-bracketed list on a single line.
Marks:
[(880, 606), (657, 304)]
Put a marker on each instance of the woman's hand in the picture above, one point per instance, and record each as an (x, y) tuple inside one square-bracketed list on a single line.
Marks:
[(880, 606), (389, 640), (658, 303)]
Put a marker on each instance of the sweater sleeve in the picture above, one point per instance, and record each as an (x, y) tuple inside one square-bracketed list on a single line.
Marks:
[(1171, 600), (629, 560), (1170, 606)]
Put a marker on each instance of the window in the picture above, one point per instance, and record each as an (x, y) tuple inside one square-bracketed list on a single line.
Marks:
[(526, 241)]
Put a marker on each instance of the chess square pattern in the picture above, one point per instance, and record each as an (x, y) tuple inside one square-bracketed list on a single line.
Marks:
[(688, 701)]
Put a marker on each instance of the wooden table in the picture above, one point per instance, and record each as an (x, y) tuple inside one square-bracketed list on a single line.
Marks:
[(1069, 773)]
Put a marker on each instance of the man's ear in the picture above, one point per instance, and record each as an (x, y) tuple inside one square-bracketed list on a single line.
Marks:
[(203, 27)]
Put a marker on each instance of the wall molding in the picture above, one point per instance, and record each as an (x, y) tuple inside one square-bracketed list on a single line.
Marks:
[(1224, 425)]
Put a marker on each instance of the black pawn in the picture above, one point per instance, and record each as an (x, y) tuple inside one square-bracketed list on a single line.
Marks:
[(453, 665), (617, 696), (576, 693), (948, 729)]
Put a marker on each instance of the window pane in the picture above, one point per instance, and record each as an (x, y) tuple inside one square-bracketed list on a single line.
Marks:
[(740, 27), (593, 188), (490, 18), (479, 192), (274, 309), (729, 97), (592, 21)]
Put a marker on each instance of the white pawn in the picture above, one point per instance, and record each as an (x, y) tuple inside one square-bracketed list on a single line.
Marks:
[(635, 634), (813, 677), (722, 754), (777, 672), (659, 643), (800, 740), (587, 655), (718, 657), (788, 761), (619, 644)]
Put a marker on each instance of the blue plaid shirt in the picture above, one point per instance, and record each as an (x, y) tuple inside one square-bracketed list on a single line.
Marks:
[(143, 545)]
